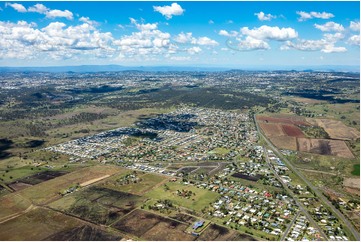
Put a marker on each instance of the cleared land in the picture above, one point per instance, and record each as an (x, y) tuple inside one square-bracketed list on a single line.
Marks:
[(336, 129), (215, 232), (324, 147), (150, 226), (37, 224), (83, 233)]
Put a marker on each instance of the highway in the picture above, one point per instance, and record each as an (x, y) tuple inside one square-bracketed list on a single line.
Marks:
[(319, 194)]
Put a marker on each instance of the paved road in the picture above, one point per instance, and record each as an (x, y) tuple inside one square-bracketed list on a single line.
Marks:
[(299, 204), (319, 194), (289, 227)]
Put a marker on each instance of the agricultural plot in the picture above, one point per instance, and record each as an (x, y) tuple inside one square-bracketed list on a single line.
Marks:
[(98, 205), (150, 226), (83, 233), (50, 190), (37, 224), (324, 147), (336, 129), (285, 142), (12, 204), (35, 179), (215, 232), (272, 129), (295, 120), (293, 131)]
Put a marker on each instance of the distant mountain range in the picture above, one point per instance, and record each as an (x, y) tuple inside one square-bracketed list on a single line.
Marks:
[(110, 68)]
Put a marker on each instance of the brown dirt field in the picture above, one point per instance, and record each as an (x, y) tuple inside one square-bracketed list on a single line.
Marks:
[(336, 129), (324, 147), (38, 224), (168, 231), (83, 233), (271, 129), (150, 226), (292, 130), (12, 204), (285, 142), (19, 186), (215, 232), (352, 183), (138, 222)]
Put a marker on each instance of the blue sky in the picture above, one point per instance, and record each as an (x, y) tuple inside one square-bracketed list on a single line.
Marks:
[(223, 34)]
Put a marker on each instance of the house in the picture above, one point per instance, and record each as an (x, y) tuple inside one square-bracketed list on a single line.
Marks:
[(198, 224)]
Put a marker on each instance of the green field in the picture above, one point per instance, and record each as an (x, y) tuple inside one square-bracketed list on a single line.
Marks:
[(356, 170), (146, 183), (201, 199)]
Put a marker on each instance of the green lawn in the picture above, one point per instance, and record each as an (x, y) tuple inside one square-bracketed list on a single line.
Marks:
[(201, 199)]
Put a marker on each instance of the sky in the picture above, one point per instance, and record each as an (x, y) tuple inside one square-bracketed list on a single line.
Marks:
[(165, 33)]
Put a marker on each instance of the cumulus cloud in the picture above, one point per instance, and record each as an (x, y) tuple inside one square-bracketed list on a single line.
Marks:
[(17, 6), (59, 14), (249, 43), (355, 26), (38, 8), (322, 45), (23, 40), (169, 11), (271, 33), (228, 34), (264, 17), (330, 26), (194, 50), (354, 40), (187, 38), (305, 15)]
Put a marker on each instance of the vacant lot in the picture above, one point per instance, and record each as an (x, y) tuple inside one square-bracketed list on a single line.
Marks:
[(215, 232), (147, 182), (324, 147), (98, 204), (197, 202), (336, 129), (150, 226), (12, 204), (37, 224), (352, 185)]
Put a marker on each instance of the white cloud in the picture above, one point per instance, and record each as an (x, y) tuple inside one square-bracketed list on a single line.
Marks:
[(59, 14), (354, 40), (23, 40), (210, 21), (330, 26), (264, 17), (180, 58), (194, 50), (322, 45), (228, 34), (355, 26), (187, 38), (205, 41), (249, 43), (38, 8), (169, 11), (334, 37), (305, 16), (271, 33), (88, 21), (17, 6)]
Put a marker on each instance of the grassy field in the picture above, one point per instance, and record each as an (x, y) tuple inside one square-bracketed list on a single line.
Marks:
[(147, 182), (46, 191), (201, 199), (356, 170)]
